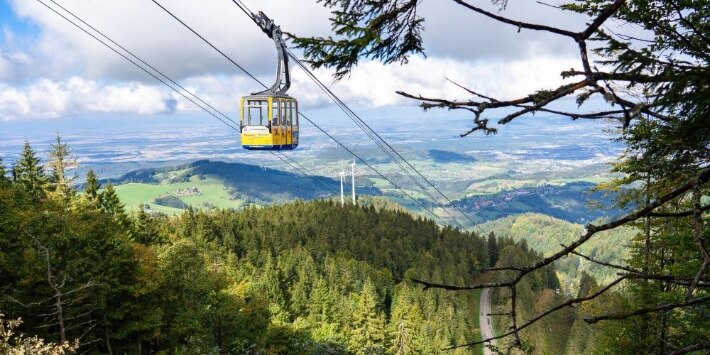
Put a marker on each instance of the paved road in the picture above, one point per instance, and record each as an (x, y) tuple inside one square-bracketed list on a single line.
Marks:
[(485, 320)]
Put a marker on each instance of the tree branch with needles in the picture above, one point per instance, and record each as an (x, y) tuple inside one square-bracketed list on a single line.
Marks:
[(661, 80), (591, 230)]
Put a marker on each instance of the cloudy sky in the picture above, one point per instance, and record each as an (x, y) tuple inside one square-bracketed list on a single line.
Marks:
[(51, 70)]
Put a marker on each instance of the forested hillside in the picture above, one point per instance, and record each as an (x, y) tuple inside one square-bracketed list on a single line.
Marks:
[(296, 278), (570, 202), (546, 234)]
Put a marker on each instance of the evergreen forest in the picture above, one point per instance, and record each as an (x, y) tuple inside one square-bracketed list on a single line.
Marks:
[(77, 270)]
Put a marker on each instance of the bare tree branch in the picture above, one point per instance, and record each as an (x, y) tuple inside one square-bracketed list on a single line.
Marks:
[(687, 349), (518, 24), (530, 322), (25, 305), (674, 279), (591, 230), (698, 230), (642, 311), (678, 214), (613, 266), (603, 16)]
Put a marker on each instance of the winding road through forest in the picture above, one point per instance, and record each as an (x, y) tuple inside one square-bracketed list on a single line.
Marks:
[(485, 321)]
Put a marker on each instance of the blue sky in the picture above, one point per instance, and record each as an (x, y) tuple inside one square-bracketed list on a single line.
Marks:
[(7, 16), (9, 20)]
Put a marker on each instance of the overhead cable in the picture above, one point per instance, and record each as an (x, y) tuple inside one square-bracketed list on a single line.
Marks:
[(300, 113), (165, 79), (371, 133)]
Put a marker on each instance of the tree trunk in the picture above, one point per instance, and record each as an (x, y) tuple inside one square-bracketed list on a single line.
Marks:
[(60, 314), (106, 335)]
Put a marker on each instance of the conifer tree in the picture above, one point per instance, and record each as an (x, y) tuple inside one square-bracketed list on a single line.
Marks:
[(322, 303), (3, 175), (61, 160), (29, 173), (367, 335), (492, 250), (404, 337), (111, 205), (91, 190), (144, 227), (272, 281)]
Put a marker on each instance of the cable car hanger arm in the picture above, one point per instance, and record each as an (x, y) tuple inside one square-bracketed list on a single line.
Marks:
[(283, 77)]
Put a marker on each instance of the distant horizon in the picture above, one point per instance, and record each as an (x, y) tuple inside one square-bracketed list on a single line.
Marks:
[(40, 132)]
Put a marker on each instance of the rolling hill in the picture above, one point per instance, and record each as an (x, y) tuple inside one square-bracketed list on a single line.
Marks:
[(569, 202), (209, 184), (545, 234), (215, 184)]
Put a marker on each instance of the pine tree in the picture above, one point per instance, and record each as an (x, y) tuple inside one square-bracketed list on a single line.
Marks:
[(29, 173), (61, 160), (273, 282), (4, 181), (367, 335), (492, 250), (144, 227), (322, 302), (92, 187), (403, 333), (111, 205)]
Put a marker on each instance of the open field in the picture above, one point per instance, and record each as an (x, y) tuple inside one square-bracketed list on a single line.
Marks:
[(213, 193)]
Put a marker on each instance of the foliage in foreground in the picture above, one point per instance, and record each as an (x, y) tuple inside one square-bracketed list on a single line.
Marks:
[(12, 343)]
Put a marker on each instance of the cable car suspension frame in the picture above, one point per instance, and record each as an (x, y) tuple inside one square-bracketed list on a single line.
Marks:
[(269, 118)]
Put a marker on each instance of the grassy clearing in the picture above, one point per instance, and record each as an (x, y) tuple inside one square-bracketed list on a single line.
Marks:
[(213, 193)]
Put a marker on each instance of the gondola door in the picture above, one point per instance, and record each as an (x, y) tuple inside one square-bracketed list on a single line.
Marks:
[(295, 128), (289, 126), (275, 123), (284, 123)]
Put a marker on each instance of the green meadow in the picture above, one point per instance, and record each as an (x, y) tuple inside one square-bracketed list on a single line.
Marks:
[(213, 193)]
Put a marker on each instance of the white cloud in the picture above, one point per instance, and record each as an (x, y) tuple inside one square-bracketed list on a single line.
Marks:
[(372, 84), (152, 34), (61, 50), (52, 99), (137, 98), (455, 31), (62, 71)]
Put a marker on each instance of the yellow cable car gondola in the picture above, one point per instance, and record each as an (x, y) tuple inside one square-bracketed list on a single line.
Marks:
[(269, 119), (269, 122)]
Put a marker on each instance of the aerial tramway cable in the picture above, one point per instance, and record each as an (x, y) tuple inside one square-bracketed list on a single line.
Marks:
[(292, 163), (381, 143), (133, 62), (285, 158), (367, 127), (300, 113), (368, 130)]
